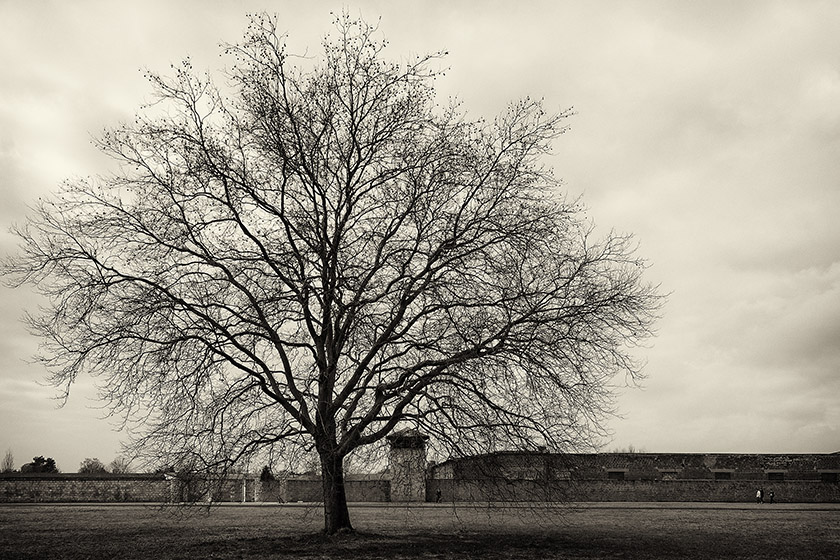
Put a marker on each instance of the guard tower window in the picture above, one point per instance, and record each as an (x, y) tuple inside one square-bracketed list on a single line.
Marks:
[(723, 475), (775, 476), (830, 477), (615, 475)]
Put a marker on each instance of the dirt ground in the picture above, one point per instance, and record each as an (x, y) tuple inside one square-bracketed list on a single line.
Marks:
[(396, 532)]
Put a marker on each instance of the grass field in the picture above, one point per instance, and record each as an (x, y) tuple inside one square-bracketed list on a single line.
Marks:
[(395, 532)]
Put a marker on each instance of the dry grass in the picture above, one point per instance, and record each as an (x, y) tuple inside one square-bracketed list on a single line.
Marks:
[(632, 531)]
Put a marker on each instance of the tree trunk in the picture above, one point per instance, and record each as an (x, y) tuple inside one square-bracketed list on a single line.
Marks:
[(336, 515)]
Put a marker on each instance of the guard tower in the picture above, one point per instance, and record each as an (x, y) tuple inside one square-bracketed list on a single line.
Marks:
[(408, 466)]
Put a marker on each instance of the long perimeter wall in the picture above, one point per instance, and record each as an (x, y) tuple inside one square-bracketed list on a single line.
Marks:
[(510, 476), (124, 488), (683, 477), (484, 490)]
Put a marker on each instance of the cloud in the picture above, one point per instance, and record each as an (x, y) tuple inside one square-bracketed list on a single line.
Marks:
[(710, 130), (788, 322)]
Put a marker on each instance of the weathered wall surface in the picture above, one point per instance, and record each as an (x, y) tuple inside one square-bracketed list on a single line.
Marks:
[(499, 477), (78, 488), (155, 488), (123, 488), (523, 476), (489, 490), (310, 490), (408, 474), (639, 466)]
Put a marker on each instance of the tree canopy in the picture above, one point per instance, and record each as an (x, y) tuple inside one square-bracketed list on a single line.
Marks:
[(92, 466), (317, 253), (40, 465), (120, 465)]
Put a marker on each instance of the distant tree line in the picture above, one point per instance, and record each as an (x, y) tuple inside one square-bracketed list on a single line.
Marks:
[(41, 464), (93, 465)]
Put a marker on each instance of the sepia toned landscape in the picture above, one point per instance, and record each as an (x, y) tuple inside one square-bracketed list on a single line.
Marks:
[(419, 279)]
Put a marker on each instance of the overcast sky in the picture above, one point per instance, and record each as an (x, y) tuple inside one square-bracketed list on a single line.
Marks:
[(710, 130)]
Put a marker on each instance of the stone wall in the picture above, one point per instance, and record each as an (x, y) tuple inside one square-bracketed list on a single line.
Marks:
[(408, 475), (407, 463), (36, 487), (526, 476), (497, 477), (81, 488), (640, 466), (310, 490), (487, 490)]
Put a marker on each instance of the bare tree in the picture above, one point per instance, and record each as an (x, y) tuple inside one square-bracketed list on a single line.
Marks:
[(318, 254), (8, 464), (92, 466), (119, 465)]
